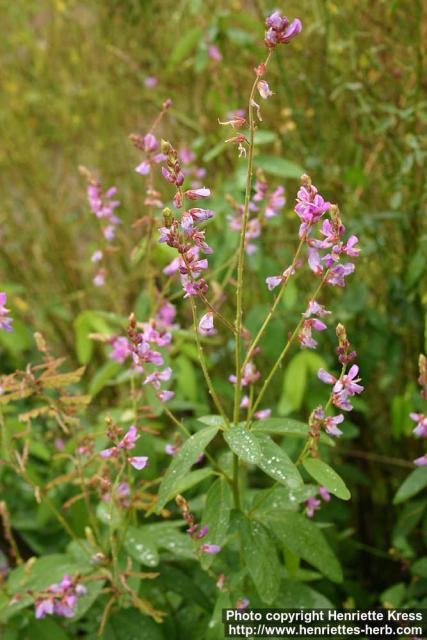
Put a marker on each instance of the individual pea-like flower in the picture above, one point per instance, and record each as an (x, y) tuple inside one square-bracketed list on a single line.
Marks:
[(250, 375), (422, 461), (150, 82), (138, 462), (274, 281), (315, 309), (206, 324), (157, 377), (305, 335), (242, 603), (344, 387), (99, 278), (324, 494), (97, 256), (197, 194), (5, 319), (421, 420), (264, 90), (212, 549), (331, 423), (262, 414), (214, 53), (312, 505)]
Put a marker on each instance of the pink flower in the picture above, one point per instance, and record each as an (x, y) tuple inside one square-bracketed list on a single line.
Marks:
[(324, 494), (5, 320), (108, 453), (121, 349), (210, 548), (262, 414), (349, 382), (315, 309), (264, 89), (421, 462), (421, 428), (138, 462), (305, 337), (242, 603), (165, 395), (129, 440), (144, 168), (214, 53), (206, 324), (197, 194), (150, 82), (331, 423), (157, 377), (312, 505), (97, 256), (273, 282), (171, 449)]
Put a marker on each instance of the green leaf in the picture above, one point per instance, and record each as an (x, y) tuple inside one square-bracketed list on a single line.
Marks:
[(108, 514), (216, 515), (168, 537), (212, 421), (186, 378), (103, 376), (326, 476), (294, 595), (141, 546), (87, 322), (244, 444), (277, 464), (287, 426), (184, 47), (130, 624), (45, 571), (414, 483), (261, 559), (306, 540), (295, 380), (419, 568), (183, 461), (43, 629), (278, 166)]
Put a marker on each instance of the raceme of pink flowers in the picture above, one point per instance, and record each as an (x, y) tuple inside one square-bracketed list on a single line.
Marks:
[(59, 599)]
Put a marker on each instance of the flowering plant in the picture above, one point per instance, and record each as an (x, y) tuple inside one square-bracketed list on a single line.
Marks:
[(261, 491)]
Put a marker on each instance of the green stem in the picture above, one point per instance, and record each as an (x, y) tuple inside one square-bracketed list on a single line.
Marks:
[(241, 254)]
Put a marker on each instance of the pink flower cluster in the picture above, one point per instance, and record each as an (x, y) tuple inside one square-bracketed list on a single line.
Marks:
[(140, 347), (420, 418), (344, 387), (194, 530), (5, 319), (103, 205), (127, 443), (263, 206), (313, 504), (183, 234), (59, 599)]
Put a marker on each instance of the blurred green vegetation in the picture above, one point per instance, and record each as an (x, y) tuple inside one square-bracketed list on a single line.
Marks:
[(350, 108)]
